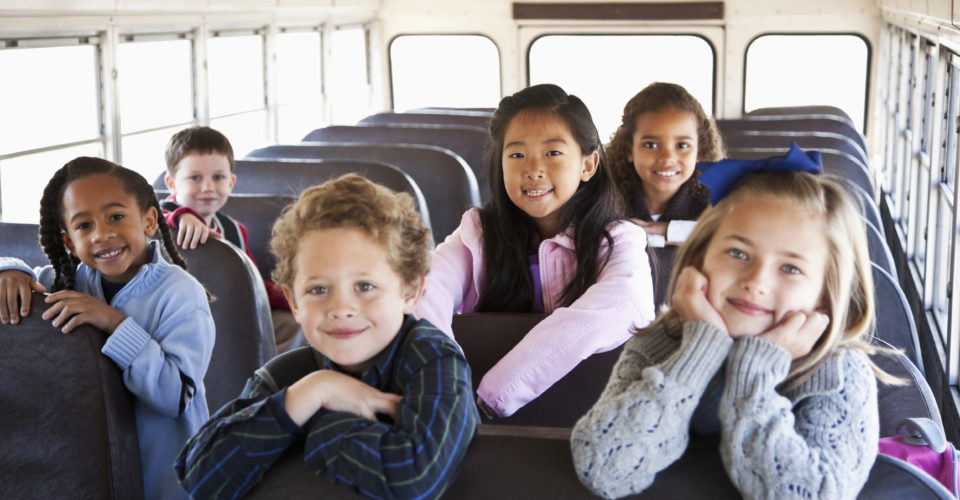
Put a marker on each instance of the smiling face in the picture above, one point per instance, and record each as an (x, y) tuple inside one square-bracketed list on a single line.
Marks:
[(543, 166), (767, 258), (346, 297), (106, 229), (664, 154), (202, 182)]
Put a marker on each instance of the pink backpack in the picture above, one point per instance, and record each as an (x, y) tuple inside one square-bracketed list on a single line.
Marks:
[(922, 444)]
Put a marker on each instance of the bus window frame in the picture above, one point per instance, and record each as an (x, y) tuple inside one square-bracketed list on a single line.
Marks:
[(713, 33), (389, 57), (867, 73)]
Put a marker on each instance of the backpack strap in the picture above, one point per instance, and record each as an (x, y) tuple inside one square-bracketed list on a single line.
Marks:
[(285, 369), (169, 205), (230, 230)]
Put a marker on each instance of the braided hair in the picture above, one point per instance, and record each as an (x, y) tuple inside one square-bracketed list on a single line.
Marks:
[(53, 227)]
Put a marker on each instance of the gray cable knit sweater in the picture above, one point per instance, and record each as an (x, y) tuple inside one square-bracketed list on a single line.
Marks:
[(818, 440)]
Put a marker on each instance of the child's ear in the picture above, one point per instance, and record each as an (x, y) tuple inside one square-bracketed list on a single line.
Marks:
[(233, 180), (68, 243), (172, 185), (413, 295), (150, 221), (292, 301), (590, 164)]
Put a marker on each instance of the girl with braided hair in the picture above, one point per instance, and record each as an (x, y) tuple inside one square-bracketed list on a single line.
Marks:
[(96, 224)]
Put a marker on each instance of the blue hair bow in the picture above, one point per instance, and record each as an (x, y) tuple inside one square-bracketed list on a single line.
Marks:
[(721, 176)]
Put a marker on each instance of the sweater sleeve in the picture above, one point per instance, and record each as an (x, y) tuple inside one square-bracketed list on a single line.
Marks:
[(822, 446), (173, 218), (43, 274), (601, 319), (236, 446), (640, 424), (162, 368), (679, 230), (449, 280), (418, 455)]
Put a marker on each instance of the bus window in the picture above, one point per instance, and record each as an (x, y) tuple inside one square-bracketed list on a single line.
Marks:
[(53, 100), (155, 90), (619, 66), (299, 87), (456, 71), (350, 83), (919, 174), (235, 83), (942, 218), (51, 113), (22, 179), (797, 70)]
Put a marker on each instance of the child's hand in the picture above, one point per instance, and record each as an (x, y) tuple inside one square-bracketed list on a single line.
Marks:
[(797, 332), (71, 309), (338, 392), (690, 299), (16, 286), (485, 409), (652, 227), (192, 231)]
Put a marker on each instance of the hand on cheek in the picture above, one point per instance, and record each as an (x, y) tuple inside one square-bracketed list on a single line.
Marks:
[(690, 299), (797, 332)]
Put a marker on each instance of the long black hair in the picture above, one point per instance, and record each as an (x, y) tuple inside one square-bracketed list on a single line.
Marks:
[(52, 225), (508, 232)]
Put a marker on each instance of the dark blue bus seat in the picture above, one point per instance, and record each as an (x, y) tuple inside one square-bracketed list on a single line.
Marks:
[(523, 463), (469, 143), (23, 242), (830, 112), (870, 209), (486, 337), (794, 123), (454, 111), (879, 251), (448, 183), (413, 118), (895, 323), (745, 139), (834, 162), (258, 212), (290, 177), (67, 419), (241, 314), (897, 402)]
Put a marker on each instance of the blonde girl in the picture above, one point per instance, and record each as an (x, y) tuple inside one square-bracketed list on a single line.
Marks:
[(765, 344)]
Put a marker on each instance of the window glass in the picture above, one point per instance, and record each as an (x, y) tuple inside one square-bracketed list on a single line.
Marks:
[(349, 85), (23, 178), (599, 69), (246, 132), (145, 152), (942, 239), (235, 74), (154, 81), (798, 70), (456, 71), (299, 88), (54, 98)]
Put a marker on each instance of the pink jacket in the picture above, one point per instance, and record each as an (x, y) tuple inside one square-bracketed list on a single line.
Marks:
[(599, 320)]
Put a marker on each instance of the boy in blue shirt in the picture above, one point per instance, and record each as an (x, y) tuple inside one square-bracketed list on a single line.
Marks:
[(381, 402)]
